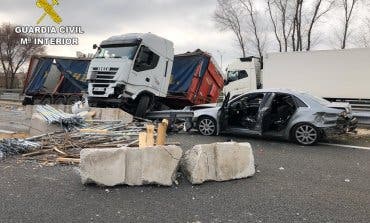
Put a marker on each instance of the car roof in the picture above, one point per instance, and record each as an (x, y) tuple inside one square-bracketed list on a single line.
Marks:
[(276, 90)]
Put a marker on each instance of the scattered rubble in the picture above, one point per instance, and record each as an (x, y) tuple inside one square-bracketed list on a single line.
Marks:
[(16, 146), (218, 162)]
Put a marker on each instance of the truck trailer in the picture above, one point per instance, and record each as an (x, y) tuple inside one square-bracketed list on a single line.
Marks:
[(139, 72), (336, 75), (55, 80)]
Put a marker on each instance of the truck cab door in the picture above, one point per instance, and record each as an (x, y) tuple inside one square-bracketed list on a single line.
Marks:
[(223, 115), (147, 64)]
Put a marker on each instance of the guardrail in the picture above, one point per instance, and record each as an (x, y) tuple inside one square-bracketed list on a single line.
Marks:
[(11, 94), (363, 117)]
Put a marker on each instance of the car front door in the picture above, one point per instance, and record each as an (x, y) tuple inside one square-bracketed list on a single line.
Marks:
[(243, 115)]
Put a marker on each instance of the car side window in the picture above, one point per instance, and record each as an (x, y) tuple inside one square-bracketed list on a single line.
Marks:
[(250, 100), (146, 59)]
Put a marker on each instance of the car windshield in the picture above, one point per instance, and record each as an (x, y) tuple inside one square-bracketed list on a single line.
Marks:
[(117, 51), (318, 99)]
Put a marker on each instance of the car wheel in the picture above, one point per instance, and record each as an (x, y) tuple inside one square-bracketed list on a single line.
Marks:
[(306, 134), (207, 126)]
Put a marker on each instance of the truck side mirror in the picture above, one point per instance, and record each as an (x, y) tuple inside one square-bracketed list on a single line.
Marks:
[(95, 46)]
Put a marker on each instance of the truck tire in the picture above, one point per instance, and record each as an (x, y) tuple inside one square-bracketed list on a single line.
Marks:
[(60, 100), (73, 99), (46, 100), (142, 106)]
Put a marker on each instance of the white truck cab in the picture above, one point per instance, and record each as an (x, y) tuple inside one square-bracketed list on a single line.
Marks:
[(130, 69), (243, 75)]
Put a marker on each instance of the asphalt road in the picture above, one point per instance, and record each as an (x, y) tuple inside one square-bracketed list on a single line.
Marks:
[(293, 184)]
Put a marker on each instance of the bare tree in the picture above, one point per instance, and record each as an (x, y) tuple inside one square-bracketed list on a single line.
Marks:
[(348, 7), (318, 11), (363, 37), (255, 26), (13, 54), (280, 13), (297, 44), (228, 16)]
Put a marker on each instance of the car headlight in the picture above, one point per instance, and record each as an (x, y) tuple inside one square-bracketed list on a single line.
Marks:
[(343, 113)]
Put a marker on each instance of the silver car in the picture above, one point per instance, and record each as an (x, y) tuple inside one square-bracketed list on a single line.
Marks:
[(292, 115)]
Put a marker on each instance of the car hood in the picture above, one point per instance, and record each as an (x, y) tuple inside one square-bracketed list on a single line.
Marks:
[(207, 111)]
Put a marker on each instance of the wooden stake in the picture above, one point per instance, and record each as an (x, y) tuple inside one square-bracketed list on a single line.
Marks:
[(142, 139), (150, 135), (67, 160), (162, 129)]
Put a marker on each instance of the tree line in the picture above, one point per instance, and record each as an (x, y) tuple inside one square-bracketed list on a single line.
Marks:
[(261, 26)]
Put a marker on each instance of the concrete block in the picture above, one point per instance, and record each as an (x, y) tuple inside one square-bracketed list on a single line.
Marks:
[(112, 114), (130, 166), (218, 162), (39, 126), (103, 166)]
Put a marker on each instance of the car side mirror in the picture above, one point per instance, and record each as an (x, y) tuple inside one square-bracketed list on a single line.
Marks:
[(95, 46)]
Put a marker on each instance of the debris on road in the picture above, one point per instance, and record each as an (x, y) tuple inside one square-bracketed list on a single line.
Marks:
[(16, 146), (55, 116)]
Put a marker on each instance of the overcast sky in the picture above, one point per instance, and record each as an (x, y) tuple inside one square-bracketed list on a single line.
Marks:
[(188, 23)]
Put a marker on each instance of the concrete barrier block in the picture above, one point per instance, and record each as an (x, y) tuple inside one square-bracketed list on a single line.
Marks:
[(218, 162), (112, 114), (103, 166), (130, 166), (39, 126)]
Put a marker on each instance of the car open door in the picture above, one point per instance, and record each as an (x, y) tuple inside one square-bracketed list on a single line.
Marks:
[(264, 110), (222, 115)]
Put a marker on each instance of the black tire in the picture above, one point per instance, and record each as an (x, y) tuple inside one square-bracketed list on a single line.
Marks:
[(305, 134), (60, 100), (73, 99), (142, 106), (207, 126), (46, 101)]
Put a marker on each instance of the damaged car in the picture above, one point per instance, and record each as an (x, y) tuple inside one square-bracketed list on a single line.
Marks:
[(288, 114)]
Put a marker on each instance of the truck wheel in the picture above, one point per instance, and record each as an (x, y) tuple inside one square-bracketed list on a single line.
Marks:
[(46, 100), (60, 100), (306, 134), (142, 106), (207, 126), (73, 99)]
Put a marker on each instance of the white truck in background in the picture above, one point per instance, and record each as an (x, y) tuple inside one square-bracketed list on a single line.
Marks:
[(336, 75), (243, 75)]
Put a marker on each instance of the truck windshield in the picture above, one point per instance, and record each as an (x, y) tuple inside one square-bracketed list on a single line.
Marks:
[(236, 75), (117, 51)]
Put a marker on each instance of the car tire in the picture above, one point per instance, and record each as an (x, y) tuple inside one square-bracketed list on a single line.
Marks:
[(207, 126), (142, 106), (306, 134)]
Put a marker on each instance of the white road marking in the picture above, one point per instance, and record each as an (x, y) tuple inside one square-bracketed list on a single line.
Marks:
[(345, 146)]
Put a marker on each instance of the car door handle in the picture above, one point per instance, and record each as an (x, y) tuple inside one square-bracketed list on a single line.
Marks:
[(147, 79)]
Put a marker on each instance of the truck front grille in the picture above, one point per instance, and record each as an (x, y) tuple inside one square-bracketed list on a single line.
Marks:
[(107, 74)]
